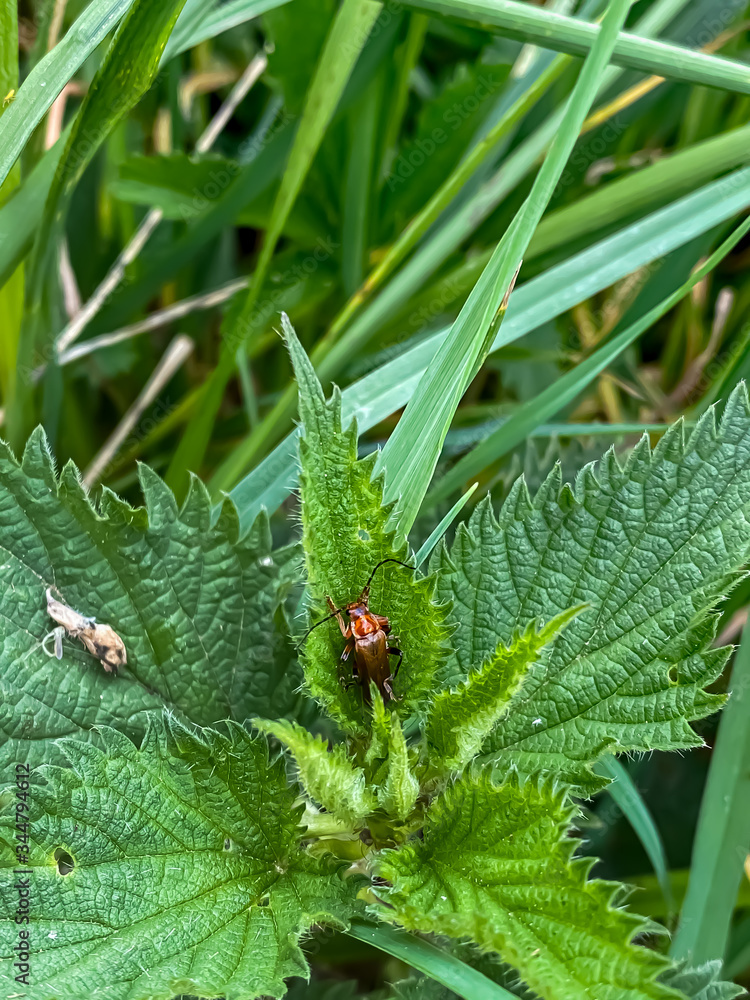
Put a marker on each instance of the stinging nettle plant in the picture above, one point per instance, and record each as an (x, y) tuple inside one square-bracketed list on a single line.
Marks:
[(174, 850)]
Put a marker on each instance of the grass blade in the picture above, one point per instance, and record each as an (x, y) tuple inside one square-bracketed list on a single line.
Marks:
[(228, 15), (434, 962), (565, 389), (723, 833), (350, 30), (21, 216), (409, 469), (49, 76), (344, 339), (126, 73), (629, 799), (441, 529), (389, 387), (567, 34), (11, 292)]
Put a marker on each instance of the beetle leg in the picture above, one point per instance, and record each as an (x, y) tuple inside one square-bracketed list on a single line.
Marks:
[(394, 651), (346, 630), (347, 650), (387, 687)]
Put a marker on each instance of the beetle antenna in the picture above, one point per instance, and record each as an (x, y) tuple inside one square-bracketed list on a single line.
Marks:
[(382, 563), (322, 621)]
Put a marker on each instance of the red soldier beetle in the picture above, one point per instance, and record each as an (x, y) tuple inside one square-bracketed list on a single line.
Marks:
[(367, 636)]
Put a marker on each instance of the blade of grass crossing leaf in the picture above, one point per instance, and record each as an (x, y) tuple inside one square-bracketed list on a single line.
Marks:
[(629, 799), (334, 350), (565, 389), (49, 76), (567, 34), (546, 296), (723, 835), (433, 961), (126, 73), (348, 34), (11, 292), (441, 529), (408, 469)]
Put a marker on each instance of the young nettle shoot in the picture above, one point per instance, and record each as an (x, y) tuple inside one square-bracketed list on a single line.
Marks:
[(368, 636), (100, 640)]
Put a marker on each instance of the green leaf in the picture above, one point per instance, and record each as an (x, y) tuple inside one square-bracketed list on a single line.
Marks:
[(199, 608), (564, 389), (208, 24), (496, 866), (327, 775), (569, 34), (21, 215), (187, 875), (651, 547), (40, 88), (721, 841), (345, 535), (460, 719), (398, 791)]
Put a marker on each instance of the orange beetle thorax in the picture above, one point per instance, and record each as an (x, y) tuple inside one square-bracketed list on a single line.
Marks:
[(362, 621)]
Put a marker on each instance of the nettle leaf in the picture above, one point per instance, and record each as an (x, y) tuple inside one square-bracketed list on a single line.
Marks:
[(345, 537), (173, 868), (398, 787), (496, 866), (651, 547), (328, 775), (460, 719), (199, 608)]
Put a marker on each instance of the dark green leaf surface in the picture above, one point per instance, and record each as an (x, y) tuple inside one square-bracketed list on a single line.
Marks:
[(651, 547), (198, 608), (187, 872)]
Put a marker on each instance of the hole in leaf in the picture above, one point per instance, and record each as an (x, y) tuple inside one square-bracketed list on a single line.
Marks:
[(673, 674), (227, 844), (364, 535), (65, 862)]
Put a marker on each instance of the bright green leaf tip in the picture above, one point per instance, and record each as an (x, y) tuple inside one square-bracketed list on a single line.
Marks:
[(345, 534)]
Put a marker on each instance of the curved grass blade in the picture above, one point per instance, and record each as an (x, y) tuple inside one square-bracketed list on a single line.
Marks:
[(222, 18), (568, 34), (625, 794), (346, 337), (565, 389), (434, 962), (546, 296), (49, 76), (408, 466), (723, 835)]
